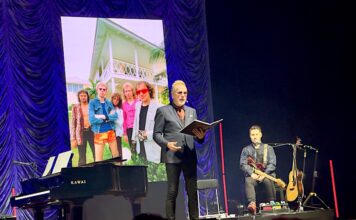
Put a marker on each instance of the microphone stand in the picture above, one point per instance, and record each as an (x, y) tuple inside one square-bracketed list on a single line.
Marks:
[(33, 165), (313, 194), (275, 145), (303, 172), (300, 197), (295, 172)]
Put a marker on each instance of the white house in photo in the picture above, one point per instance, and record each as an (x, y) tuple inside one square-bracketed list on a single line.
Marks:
[(120, 55)]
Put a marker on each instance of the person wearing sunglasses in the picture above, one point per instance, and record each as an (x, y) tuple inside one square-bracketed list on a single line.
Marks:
[(102, 117), (142, 133), (180, 155)]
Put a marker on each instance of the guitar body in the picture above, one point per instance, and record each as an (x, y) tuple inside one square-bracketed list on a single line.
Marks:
[(292, 188), (300, 183)]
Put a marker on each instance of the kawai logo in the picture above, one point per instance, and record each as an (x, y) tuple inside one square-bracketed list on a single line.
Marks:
[(78, 182)]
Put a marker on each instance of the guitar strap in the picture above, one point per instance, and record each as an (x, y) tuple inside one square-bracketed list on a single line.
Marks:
[(265, 154)]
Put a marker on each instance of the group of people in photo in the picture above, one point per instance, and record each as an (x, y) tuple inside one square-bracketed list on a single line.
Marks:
[(101, 120)]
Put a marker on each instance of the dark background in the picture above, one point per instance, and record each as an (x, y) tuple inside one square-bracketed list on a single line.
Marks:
[(287, 66)]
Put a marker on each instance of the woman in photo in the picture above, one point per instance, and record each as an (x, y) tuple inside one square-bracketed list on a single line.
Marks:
[(119, 130)]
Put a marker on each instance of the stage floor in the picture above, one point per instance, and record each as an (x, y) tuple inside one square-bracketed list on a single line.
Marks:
[(326, 214)]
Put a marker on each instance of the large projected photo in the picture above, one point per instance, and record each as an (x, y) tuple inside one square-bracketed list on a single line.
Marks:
[(122, 60)]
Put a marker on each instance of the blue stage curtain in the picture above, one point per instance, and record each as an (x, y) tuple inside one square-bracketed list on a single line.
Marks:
[(33, 113)]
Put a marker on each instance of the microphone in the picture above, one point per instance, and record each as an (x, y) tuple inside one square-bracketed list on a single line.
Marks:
[(32, 164), (310, 147), (277, 144), (273, 144), (21, 163)]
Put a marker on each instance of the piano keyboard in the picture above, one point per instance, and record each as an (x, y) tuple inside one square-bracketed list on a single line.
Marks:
[(32, 195)]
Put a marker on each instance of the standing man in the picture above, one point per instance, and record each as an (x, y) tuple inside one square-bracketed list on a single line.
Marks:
[(80, 133), (102, 117), (263, 154), (180, 155)]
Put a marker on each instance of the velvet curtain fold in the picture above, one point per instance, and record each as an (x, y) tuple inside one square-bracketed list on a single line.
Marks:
[(33, 112)]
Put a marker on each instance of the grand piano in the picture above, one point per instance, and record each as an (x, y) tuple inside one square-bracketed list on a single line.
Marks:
[(70, 188)]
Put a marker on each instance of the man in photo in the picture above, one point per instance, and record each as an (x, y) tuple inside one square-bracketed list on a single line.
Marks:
[(102, 117), (80, 132)]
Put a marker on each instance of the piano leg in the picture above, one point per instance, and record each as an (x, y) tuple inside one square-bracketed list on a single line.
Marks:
[(38, 213), (62, 212), (72, 211), (76, 212)]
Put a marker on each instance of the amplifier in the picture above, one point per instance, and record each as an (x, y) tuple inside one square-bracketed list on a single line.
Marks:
[(274, 207)]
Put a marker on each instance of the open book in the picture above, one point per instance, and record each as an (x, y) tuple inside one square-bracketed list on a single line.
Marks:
[(198, 124)]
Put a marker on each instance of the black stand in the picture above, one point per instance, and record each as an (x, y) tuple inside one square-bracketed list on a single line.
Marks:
[(300, 197), (303, 171), (312, 194)]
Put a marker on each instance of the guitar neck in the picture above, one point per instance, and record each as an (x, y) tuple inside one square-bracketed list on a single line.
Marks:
[(259, 172)]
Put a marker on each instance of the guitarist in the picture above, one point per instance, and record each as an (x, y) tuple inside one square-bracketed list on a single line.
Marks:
[(265, 160)]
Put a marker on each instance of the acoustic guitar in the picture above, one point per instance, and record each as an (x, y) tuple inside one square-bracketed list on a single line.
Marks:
[(257, 170), (295, 185)]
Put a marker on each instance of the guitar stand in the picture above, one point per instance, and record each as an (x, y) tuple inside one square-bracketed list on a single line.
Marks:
[(314, 195), (300, 206)]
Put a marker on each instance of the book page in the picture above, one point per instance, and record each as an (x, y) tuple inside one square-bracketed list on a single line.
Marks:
[(216, 122), (49, 166), (62, 161)]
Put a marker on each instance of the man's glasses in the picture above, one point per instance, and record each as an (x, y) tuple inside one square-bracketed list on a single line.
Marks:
[(143, 91), (102, 89), (182, 93)]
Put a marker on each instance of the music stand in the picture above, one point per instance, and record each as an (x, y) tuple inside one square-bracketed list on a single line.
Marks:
[(313, 194)]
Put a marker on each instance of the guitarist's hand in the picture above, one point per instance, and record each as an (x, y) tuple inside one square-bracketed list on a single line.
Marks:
[(260, 178), (255, 176)]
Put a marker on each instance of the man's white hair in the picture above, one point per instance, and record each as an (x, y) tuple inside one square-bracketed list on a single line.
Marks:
[(175, 84)]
